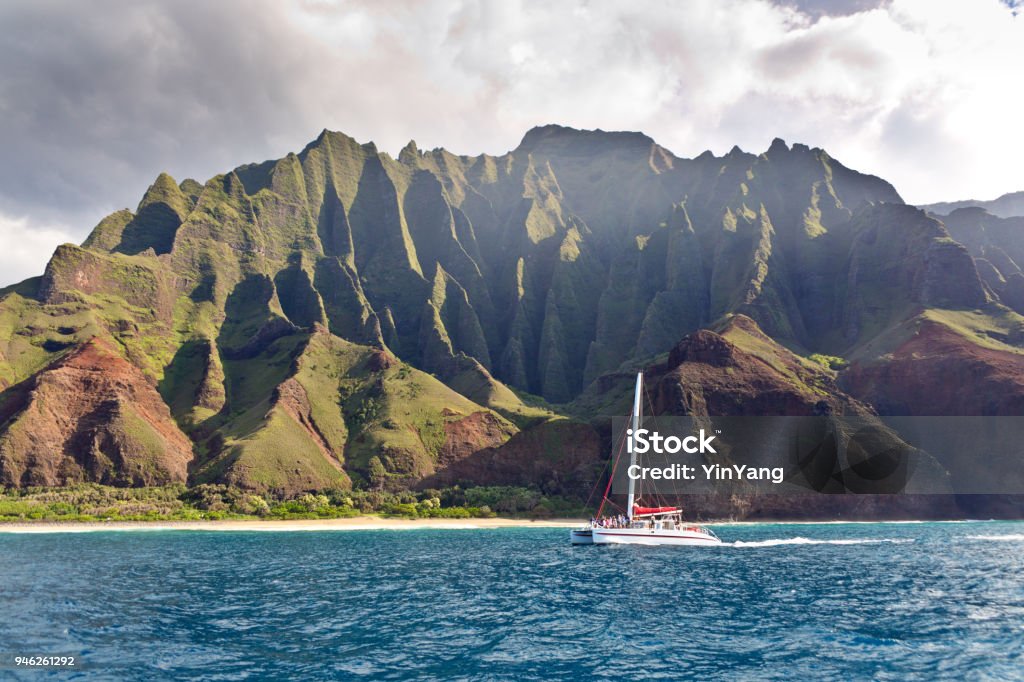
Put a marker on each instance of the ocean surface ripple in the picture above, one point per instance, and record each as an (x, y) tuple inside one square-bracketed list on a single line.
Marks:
[(857, 601)]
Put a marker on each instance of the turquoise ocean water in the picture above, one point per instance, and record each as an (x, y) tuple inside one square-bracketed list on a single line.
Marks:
[(854, 601)]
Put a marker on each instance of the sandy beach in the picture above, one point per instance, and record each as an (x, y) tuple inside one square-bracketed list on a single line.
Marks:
[(354, 523)]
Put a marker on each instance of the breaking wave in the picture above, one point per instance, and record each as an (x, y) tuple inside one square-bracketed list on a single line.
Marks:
[(1012, 537)]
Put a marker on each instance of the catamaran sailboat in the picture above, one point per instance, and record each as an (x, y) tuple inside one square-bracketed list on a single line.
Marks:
[(642, 525)]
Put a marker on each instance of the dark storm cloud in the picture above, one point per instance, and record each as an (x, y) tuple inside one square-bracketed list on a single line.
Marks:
[(833, 8), (96, 98)]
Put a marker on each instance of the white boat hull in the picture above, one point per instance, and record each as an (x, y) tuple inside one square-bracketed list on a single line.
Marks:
[(582, 536), (652, 536)]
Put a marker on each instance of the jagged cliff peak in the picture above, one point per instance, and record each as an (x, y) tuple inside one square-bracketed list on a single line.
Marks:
[(410, 153), (703, 346), (559, 135), (777, 146)]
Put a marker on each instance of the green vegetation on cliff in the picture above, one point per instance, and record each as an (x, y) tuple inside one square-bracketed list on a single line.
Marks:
[(342, 320)]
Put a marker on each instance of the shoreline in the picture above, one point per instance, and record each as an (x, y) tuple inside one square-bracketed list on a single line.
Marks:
[(342, 524), (370, 522)]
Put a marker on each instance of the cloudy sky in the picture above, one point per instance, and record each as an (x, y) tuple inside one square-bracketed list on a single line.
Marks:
[(97, 98)]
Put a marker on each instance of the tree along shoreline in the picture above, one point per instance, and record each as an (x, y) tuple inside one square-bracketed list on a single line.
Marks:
[(92, 502)]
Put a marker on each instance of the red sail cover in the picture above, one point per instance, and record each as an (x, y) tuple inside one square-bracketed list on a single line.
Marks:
[(637, 509)]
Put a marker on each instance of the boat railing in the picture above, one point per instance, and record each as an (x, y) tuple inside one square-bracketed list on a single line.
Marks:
[(641, 523)]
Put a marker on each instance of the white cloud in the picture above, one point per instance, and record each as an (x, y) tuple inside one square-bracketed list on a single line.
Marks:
[(922, 92), (27, 247)]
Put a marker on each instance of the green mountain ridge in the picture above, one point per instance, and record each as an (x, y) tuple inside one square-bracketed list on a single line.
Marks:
[(340, 315)]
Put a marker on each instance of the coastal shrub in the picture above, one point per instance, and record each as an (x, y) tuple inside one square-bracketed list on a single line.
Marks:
[(15, 509), (313, 503), (544, 510), (369, 501), (217, 501), (340, 498), (505, 499), (251, 505), (88, 501), (454, 496), (211, 496), (430, 493), (401, 509), (447, 513)]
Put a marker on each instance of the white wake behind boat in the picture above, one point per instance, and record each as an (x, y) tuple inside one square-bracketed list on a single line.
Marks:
[(642, 525)]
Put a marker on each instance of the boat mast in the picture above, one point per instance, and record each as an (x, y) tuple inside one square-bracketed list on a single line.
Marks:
[(632, 454)]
